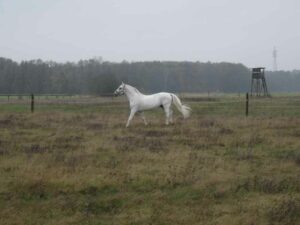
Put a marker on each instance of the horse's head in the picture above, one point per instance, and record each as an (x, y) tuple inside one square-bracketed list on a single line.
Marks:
[(120, 90)]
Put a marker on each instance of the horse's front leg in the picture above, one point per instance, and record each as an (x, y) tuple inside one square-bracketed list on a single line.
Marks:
[(132, 112)]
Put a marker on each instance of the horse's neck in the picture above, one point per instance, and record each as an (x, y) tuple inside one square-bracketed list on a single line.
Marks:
[(131, 92)]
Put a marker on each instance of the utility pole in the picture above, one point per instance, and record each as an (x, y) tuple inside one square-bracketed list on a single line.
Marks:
[(274, 59)]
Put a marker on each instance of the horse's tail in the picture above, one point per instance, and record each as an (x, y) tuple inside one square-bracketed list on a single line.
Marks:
[(185, 110)]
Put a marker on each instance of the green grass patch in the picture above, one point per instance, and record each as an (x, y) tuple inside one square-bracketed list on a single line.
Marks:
[(78, 164)]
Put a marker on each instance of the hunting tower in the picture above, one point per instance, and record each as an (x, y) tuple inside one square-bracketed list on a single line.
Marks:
[(258, 83)]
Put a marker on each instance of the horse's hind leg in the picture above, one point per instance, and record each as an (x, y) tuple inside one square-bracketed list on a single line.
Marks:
[(171, 116), (168, 113)]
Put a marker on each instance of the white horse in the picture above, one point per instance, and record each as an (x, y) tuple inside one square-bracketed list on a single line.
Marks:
[(139, 102)]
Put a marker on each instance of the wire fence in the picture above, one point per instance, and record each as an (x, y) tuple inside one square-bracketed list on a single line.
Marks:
[(279, 105)]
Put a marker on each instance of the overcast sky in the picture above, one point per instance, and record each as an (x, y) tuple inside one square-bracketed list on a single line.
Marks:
[(236, 31)]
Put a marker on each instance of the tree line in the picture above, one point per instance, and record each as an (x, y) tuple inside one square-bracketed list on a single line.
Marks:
[(94, 76)]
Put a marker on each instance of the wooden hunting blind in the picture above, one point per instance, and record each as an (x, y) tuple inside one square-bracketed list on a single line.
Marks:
[(258, 82)]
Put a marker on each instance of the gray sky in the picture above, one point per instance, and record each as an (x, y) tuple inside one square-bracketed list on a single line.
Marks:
[(236, 31)]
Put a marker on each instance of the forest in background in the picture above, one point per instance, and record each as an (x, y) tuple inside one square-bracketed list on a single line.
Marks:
[(95, 76)]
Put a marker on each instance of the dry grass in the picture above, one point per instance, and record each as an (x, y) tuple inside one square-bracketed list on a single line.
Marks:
[(84, 167)]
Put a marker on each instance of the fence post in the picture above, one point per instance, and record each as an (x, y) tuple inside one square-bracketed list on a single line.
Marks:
[(247, 104), (32, 103)]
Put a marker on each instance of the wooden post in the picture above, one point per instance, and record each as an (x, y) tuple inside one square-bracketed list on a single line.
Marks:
[(247, 104), (32, 103)]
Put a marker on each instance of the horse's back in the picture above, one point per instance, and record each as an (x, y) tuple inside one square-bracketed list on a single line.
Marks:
[(155, 100), (162, 96)]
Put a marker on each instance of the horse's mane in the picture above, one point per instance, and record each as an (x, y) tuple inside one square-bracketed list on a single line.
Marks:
[(133, 88)]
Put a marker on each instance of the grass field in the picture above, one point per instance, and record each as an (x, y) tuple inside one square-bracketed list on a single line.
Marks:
[(77, 164)]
